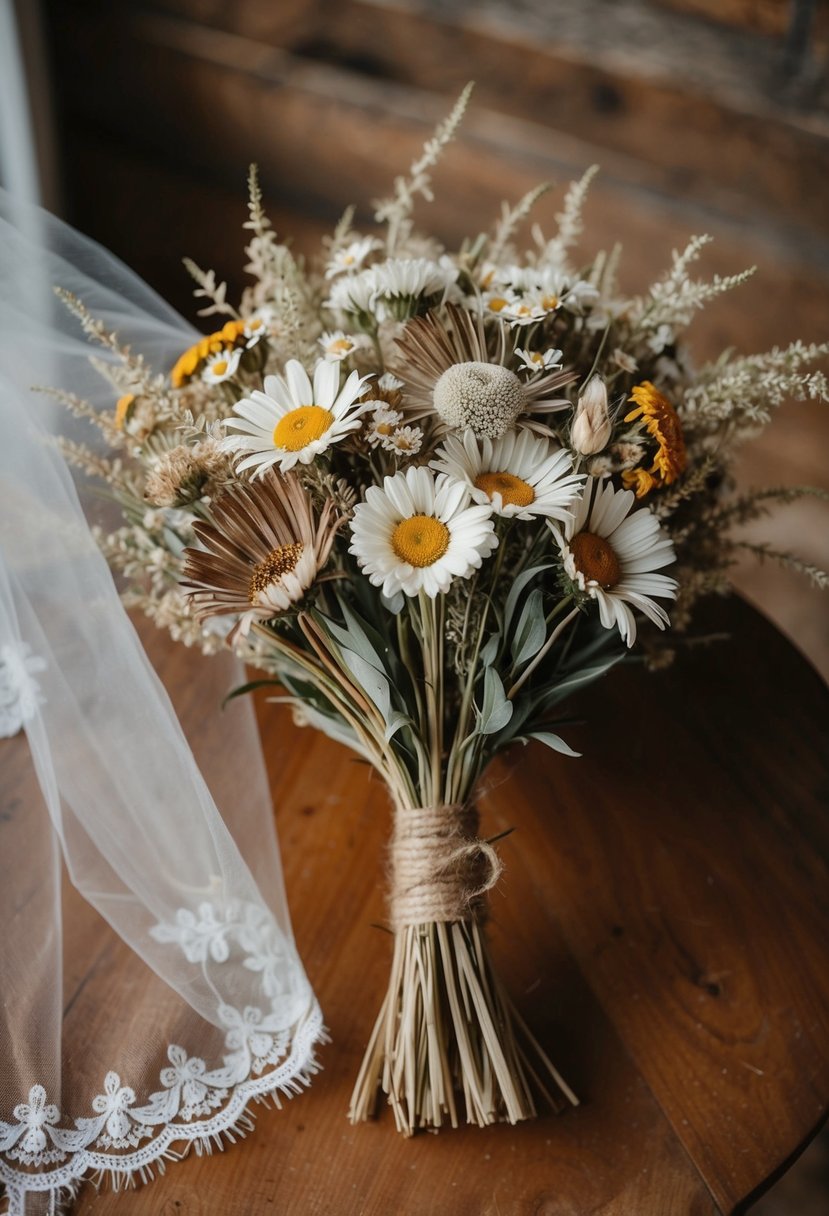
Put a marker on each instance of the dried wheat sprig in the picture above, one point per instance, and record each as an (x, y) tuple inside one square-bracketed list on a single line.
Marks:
[(209, 289), (569, 220), (82, 457), (676, 297), (762, 551), (756, 503), (510, 219), (396, 211)]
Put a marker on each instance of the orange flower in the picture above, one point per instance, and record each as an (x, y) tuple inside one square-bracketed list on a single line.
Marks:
[(661, 421), (191, 361), (122, 409)]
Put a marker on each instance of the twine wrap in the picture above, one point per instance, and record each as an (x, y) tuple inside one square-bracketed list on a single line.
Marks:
[(440, 870)]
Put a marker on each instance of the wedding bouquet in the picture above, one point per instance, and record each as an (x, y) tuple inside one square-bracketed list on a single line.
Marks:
[(429, 494)]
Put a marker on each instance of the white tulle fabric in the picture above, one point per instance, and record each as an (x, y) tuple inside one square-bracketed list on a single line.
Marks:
[(150, 983)]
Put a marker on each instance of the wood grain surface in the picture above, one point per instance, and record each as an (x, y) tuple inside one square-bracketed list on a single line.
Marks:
[(663, 925)]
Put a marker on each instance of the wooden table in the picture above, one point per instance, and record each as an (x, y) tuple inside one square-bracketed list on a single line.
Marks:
[(663, 924)]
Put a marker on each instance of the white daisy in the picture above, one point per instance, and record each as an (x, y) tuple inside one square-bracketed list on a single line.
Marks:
[(384, 420), (337, 345), (539, 360), (419, 532), (351, 257), (293, 421), (403, 441), (221, 366), (257, 327), (353, 293), (400, 283), (611, 554), (517, 474)]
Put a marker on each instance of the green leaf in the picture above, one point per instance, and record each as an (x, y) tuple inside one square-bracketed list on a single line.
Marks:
[(496, 710), (355, 639), (395, 721), (490, 650), (558, 691), (517, 587), (246, 688), (373, 683), (531, 630), (553, 741)]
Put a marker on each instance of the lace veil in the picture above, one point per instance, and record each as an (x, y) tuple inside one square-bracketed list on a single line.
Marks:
[(150, 982)]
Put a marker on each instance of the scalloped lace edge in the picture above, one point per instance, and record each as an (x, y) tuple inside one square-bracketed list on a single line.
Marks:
[(232, 1122)]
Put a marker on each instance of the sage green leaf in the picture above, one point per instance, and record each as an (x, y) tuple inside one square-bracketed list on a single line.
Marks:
[(553, 741), (516, 589), (531, 629), (496, 710)]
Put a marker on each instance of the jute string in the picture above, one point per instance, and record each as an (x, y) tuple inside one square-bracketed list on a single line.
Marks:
[(440, 870)]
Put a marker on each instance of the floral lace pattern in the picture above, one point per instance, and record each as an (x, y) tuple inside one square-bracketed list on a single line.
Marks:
[(20, 692), (193, 1101)]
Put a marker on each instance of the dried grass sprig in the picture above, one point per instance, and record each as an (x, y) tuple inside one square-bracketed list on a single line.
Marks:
[(396, 211)]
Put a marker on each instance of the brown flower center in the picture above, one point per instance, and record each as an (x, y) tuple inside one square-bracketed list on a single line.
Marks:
[(513, 490), (420, 540), (271, 569), (595, 559)]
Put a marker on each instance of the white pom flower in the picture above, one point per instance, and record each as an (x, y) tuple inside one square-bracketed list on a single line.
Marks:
[(293, 421), (517, 475), (419, 532), (611, 554), (486, 397)]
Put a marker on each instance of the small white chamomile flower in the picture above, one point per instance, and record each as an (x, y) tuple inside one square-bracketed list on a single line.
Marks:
[(383, 423), (351, 257), (404, 441), (539, 360), (258, 326), (221, 366), (337, 345)]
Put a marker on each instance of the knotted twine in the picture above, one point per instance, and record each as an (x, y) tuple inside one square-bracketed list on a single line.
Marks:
[(440, 869)]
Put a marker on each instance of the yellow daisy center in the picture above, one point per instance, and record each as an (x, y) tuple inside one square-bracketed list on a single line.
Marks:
[(595, 558), (549, 302), (219, 368), (339, 345), (420, 540), (498, 304), (301, 426), (255, 324), (514, 492), (271, 569)]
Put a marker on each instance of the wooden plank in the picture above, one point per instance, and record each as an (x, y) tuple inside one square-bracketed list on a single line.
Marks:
[(692, 908), (580, 77), (691, 899)]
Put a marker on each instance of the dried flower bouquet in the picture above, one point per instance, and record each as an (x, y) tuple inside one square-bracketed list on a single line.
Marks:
[(429, 495)]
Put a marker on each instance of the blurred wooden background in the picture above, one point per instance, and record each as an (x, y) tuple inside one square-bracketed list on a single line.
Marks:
[(705, 116)]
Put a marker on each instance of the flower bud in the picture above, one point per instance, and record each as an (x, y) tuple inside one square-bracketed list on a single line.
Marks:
[(591, 427)]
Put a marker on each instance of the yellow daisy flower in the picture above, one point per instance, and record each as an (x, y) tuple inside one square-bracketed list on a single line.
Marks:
[(661, 422)]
